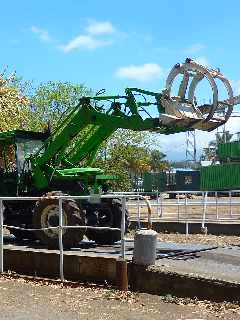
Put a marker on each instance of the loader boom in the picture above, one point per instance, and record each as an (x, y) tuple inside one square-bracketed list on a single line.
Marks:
[(79, 136)]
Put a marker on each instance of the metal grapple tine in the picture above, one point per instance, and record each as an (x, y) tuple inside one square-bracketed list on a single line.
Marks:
[(186, 95), (183, 86)]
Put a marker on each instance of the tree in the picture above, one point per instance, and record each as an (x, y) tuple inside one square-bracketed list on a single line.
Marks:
[(126, 154), (157, 162), (210, 152), (13, 105), (51, 100)]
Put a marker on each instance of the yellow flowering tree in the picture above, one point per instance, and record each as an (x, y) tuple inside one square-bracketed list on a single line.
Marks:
[(13, 105)]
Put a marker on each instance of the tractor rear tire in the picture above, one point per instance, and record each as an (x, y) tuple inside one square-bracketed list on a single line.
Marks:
[(47, 215), (105, 214)]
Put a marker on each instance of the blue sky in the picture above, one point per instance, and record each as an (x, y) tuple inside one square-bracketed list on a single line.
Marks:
[(115, 44)]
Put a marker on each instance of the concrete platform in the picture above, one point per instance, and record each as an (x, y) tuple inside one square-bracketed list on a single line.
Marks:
[(181, 269)]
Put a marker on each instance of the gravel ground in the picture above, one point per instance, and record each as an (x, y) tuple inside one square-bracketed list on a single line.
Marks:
[(200, 239), (23, 299), (196, 239)]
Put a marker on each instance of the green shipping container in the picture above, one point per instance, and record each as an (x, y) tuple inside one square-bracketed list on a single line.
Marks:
[(154, 181), (229, 150), (220, 177), (147, 182)]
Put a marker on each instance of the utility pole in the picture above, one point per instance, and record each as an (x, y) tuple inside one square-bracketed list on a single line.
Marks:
[(190, 147)]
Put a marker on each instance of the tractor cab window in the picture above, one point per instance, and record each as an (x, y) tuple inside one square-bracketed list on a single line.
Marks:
[(26, 148)]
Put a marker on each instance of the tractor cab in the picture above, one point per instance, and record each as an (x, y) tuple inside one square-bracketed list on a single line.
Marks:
[(15, 147)]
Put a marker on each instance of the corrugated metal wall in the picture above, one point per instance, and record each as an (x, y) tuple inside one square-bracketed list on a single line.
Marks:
[(220, 177), (229, 150), (154, 181)]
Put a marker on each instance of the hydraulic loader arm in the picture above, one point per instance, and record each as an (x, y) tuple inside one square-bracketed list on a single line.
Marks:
[(79, 136)]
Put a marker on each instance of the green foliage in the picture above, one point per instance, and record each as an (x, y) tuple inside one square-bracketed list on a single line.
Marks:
[(51, 100), (128, 154), (13, 105), (157, 162), (210, 152)]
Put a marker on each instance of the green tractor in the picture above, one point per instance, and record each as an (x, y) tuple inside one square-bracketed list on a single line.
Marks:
[(59, 162)]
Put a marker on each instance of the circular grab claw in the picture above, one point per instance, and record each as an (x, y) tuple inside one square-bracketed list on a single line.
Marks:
[(194, 72)]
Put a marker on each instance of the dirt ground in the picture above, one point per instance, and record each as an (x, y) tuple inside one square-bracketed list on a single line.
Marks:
[(200, 239), (209, 239), (23, 299)]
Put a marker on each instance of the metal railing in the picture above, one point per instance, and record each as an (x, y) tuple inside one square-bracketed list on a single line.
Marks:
[(61, 226), (204, 207), (203, 200)]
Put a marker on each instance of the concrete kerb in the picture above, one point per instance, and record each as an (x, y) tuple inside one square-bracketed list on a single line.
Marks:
[(161, 282), (103, 270), (42, 263)]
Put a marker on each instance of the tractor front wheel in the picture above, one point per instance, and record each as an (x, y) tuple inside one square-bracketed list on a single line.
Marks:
[(47, 215)]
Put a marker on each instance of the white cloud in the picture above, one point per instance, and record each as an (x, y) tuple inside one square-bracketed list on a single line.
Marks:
[(202, 60), (42, 33), (145, 72), (194, 48), (84, 42), (96, 28), (236, 86), (233, 125), (92, 38)]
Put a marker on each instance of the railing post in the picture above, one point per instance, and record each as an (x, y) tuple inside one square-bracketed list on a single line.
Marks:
[(187, 229), (178, 209), (204, 209), (161, 205), (138, 212), (123, 228), (216, 200), (157, 203), (60, 238), (185, 204), (1, 236), (230, 203)]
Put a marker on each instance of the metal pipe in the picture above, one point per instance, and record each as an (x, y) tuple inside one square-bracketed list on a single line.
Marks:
[(123, 228), (60, 238), (216, 199), (138, 212), (158, 204), (230, 203), (112, 196), (187, 229), (1, 236), (178, 206), (204, 209), (190, 203), (185, 204), (161, 212)]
